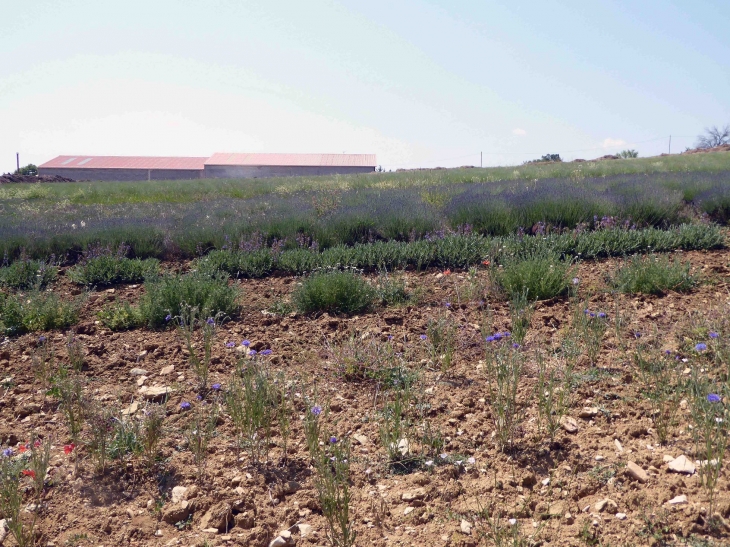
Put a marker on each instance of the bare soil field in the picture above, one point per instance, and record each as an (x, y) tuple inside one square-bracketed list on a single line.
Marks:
[(605, 479)]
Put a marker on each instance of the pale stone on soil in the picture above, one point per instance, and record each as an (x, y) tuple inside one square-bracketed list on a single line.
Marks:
[(618, 444), (636, 472), (621, 516), (179, 493), (556, 509), (305, 530), (569, 424), (219, 517), (417, 494), (678, 500), (155, 393), (167, 370), (362, 439), (589, 412), (465, 527), (408, 510), (667, 458), (138, 372), (681, 464)]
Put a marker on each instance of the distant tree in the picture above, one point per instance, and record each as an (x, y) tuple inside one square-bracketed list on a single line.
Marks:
[(713, 137), (547, 157), (628, 154), (29, 169)]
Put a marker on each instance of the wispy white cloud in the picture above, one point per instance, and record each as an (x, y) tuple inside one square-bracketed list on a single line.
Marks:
[(613, 143), (520, 132)]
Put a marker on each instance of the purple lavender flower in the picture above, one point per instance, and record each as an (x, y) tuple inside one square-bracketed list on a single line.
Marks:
[(266, 352), (185, 405), (714, 335), (701, 346), (216, 387), (714, 398), (316, 410), (246, 343), (506, 334), (490, 339)]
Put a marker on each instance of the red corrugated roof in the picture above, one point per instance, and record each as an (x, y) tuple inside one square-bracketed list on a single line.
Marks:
[(125, 162), (312, 160)]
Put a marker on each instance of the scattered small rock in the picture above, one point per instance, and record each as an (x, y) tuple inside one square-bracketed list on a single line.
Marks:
[(179, 493), (155, 393), (465, 527), (621, 516), (678, 500), (305, 530), (636, 472), (361, 439), (569, 424), (589, 412), (167, 370), (619, 446), (681, 464), (138, 372), (417, 494)]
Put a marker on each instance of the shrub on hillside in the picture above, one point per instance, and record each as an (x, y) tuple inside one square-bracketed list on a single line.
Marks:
[(36, 311), (110, 270), (120, 316), (253, 264), (26, 274), (167, 295), (653, 275), (537, 276), (334, 292)]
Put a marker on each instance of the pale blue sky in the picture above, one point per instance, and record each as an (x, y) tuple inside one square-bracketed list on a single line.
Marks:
[(417, 82)]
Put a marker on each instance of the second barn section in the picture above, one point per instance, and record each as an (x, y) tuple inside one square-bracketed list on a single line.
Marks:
[(219, 165)]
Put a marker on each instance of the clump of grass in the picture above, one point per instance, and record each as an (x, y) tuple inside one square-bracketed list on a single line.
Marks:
[(11, 502), (125, 437), (653, 275), (659, 376), (590, 328), (504, 362), (42, 361), (252, 264), (200, 431), (538, 276), (166, 296), (252, 402), (188, 322), (120, 316), (76, 351), (334, 292), (391, 291), (25, 274), (441, 338), (553, 393), (36, 311), (110, 270), (102, 428), (521, 309), (369, 360), (153, 418)]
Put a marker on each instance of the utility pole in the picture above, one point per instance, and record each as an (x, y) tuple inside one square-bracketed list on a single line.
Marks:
[(17, 160), (670, 144)]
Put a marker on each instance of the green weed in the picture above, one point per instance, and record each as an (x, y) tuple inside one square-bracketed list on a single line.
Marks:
[(120, 316), (653, 275), (334, 292)]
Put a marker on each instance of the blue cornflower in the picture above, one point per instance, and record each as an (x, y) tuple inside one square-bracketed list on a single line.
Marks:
[(7, 452), (246, 343), (447, 304), (252, 352), (489, 338), (601, 314), (506, 334), (216, 387), (210, 321), (516, 345), (714, 335), (41, 339), (497, 335), (423, 337), (168, 317), (586, 311), (591, 315), (701, 346), (230, 344), (266, 352), (333, 440), (185, 405), (199, 397), (316, 410), (714, 398)]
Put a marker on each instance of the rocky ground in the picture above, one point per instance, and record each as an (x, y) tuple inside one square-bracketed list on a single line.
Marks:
[(604, 480)]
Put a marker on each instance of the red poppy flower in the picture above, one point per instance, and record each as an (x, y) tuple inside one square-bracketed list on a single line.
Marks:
[(22, 448), (28, 473), (447, 272), (68, 448), (485, 262), (37, 443)]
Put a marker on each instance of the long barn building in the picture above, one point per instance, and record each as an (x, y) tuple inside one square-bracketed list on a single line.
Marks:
[(220, 165)]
